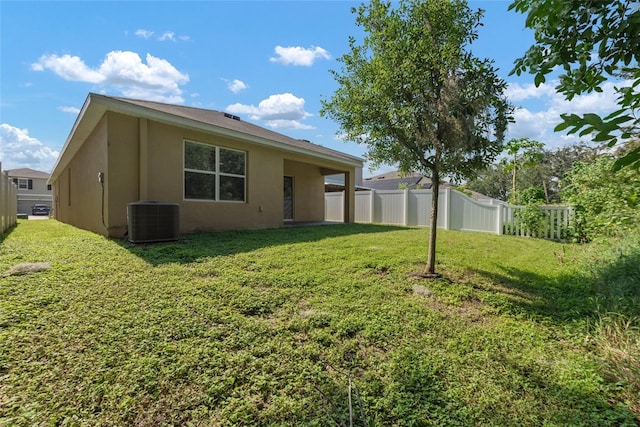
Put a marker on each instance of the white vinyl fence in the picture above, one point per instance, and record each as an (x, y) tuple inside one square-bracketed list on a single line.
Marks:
[(456, 211), (8, 202), (334, 206)]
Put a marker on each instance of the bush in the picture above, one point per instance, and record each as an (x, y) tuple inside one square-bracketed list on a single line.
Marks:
[(606, 203), (531, 219)]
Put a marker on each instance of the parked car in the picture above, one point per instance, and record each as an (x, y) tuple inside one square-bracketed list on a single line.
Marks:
[(39, 209)]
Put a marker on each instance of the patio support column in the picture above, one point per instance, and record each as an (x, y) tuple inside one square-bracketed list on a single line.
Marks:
[(349, 197)]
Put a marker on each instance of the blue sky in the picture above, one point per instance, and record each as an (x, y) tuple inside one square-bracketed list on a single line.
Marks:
[(265, 61)]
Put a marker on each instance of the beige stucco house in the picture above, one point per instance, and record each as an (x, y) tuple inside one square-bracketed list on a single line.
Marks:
[(32, 188), (222, 172)]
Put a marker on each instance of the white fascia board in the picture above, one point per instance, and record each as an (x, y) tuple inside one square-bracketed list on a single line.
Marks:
[(74, 141)]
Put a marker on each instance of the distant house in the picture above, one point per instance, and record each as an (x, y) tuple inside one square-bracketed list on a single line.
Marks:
[(32, 188), (395, 181), (414, 181), (222, 172), (335, 183)]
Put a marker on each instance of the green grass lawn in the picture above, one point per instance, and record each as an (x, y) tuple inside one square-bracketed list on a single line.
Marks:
[(326, 325)]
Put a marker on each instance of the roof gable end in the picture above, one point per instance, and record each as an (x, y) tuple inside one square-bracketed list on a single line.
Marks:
[(209, 121)]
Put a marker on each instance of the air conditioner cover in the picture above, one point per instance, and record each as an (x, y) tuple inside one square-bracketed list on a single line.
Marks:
[(152, 221)]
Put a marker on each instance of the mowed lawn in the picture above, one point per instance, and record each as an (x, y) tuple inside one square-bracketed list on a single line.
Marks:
[(317, 326)]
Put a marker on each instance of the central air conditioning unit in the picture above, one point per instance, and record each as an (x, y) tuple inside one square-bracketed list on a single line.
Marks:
[(151, 221)]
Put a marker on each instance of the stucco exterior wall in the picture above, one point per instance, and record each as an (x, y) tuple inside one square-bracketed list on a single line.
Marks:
[(77, 192), (122, 171), (308, 190), (263, 206), (143, 159)]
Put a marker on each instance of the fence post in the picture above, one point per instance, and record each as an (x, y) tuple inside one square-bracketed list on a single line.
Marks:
[(372, 205), (447, 207), (499, 214), (406, 207), (565, 221)]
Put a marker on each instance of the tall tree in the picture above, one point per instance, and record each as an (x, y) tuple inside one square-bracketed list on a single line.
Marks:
[(493, 182), (416, 97), (521, 153), (592, 40), (497, 182)]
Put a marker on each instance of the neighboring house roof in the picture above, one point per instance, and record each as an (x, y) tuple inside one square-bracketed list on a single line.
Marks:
[(210, 121), (27, 173), (479, 196), (331, 185), (395, 180)]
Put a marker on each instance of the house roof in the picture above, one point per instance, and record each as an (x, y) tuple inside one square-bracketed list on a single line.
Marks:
[(27, 173), (394, 180), (209, 121)]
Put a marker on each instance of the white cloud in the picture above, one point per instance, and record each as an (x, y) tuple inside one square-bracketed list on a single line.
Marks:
[(236, 85), (145, 34), (288, 124), (167, 35), (515, 92), (541, 107), (69, 68), (72, 110), (297, 55), (595, 102), (279, 111), (157, 80), (19, 150)]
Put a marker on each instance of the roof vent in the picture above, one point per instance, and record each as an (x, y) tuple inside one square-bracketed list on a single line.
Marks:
[(231, 116), (153, 221)]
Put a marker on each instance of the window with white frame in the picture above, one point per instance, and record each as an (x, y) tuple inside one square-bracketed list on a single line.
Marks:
[(214, 173), (24, 184)]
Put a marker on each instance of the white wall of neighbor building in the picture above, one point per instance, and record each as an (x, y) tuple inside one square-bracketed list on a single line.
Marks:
[(32, 188)]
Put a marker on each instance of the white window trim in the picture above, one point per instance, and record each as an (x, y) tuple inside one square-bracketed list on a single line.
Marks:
[(216, 173), (23, 183)]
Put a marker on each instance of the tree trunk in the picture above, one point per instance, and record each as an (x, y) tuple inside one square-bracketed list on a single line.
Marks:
[(546, 192), (430, 270), (513, 197)]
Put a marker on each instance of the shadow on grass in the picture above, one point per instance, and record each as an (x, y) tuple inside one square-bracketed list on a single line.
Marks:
[(211, 244), (606, 286), (601, 302), (8, 231)]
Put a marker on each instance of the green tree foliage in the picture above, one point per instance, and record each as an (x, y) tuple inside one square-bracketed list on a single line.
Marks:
[(547, 174), (521, 153), (606, 202), (416, 97), (592, 40), (493, 181)]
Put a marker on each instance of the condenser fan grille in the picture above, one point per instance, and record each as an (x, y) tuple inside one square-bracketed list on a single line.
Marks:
[(153, 221)]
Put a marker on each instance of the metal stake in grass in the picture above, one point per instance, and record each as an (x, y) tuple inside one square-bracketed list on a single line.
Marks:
[(350, 406)]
